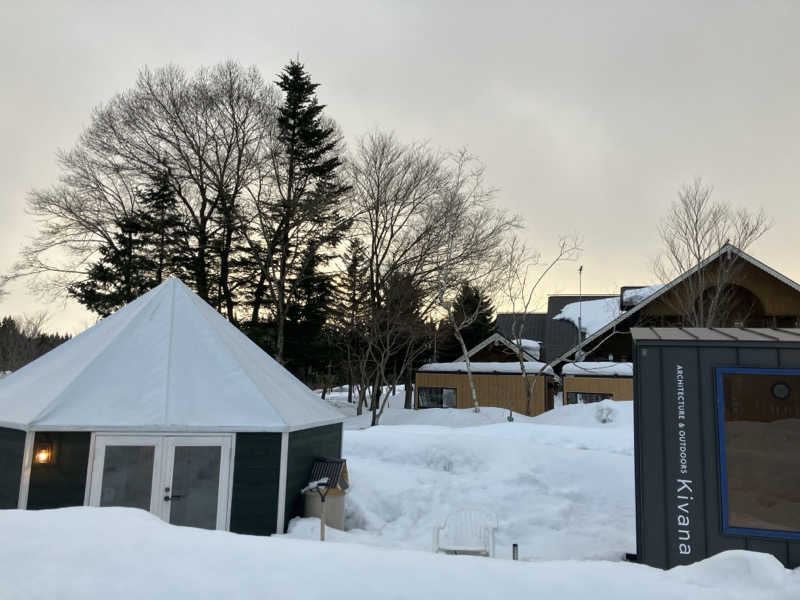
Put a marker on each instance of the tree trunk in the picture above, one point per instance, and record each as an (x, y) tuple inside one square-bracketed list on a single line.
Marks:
[(459, 337), (409, 390)]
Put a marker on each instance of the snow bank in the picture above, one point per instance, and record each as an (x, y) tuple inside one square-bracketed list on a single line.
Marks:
[(486, 367), (594, 313), (599, 369), (123, 553), (552, 480)]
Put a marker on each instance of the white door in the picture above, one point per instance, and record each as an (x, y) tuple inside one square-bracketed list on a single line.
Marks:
[(182, 479), (126, 471), (195, 479)]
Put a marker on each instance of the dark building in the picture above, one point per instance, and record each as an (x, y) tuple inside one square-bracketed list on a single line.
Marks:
[(756, 296), (717, 443)]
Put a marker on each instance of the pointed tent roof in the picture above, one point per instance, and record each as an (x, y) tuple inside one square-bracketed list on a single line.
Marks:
[(165, 362)]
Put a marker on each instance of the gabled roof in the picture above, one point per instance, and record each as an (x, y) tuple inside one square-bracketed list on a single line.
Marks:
[(499, 338), (165, 362), (727, 248)]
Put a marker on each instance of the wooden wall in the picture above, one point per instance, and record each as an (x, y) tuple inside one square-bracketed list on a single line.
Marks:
[(493, 389), (620, 387)]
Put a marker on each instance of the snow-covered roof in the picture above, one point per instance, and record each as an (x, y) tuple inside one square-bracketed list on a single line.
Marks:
[(593, 314), (531, 367), (633, 296), (726, 249), (165, 362), (530, 348), (598, 369)]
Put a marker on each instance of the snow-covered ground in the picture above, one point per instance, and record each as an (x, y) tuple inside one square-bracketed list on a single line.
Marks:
[(561, 485), (127, 554)]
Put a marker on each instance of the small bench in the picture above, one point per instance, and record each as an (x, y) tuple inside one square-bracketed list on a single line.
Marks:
[(468, 531)]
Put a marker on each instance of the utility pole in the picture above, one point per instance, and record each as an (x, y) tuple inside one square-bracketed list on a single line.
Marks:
[(580, 304)]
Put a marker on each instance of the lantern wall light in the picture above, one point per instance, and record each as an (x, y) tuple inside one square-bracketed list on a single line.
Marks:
[(43, 453)]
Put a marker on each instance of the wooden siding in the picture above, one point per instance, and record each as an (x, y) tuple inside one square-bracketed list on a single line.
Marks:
[(304, 447), (619, 387), (256, 479), (62, 483), (492, 389), (12, 448)]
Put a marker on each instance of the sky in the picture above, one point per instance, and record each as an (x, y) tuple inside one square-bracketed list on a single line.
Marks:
[(587, 115)]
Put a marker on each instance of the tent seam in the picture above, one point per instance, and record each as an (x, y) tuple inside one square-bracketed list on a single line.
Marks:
[(169, 352)]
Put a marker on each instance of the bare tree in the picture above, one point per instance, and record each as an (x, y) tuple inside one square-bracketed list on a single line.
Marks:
[(525, 270), (473, 222), (420, 213), (209, 132), (695, 228)]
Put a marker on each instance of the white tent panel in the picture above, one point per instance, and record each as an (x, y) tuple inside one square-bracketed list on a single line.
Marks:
[(167, 361)]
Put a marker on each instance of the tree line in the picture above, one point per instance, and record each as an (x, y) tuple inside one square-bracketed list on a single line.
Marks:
[(344, 264)]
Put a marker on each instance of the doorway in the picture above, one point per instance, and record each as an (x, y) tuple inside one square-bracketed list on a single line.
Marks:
[(183, 479)]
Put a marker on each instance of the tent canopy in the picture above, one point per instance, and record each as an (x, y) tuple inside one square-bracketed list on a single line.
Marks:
[(165, 362)]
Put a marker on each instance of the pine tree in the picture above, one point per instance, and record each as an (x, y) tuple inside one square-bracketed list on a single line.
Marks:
[(476, 311), (147, 246), (303, 213)]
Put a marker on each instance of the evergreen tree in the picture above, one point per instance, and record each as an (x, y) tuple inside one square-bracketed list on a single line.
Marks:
[(476, 311), (147, 246), (303, 212)]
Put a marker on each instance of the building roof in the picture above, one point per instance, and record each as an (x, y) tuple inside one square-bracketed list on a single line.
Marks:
[(533, 324), (165, 362), (598, 369), (716, 334), (531, 368), (727, 248), (530, 348)]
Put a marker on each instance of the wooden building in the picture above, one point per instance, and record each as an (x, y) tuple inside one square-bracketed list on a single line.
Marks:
[(167, 407), (585, 382), (756, 296), (445, 385)]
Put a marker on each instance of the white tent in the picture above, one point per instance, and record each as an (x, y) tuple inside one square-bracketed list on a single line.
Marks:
[(165, 362)]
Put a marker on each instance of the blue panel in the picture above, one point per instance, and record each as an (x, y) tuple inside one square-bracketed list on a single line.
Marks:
[(726, 526)]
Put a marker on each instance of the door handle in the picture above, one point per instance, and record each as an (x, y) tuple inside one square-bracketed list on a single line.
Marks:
[(173, 497)]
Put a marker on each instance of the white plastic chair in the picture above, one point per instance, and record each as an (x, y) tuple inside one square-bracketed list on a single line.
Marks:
[(466, 531)]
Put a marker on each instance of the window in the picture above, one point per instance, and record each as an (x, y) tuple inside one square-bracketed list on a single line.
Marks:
[(437, 397), (759, 441), (587, 397)]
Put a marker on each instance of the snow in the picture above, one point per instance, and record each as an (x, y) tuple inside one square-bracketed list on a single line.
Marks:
[(594, 313), (632, 297), (165, 362), (561, 485), (127, 554), (4, 374), (598, 369), (532, 347), (531, 367)]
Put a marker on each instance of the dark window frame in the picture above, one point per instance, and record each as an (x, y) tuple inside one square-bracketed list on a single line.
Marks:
[(727, 528), (441, 391)]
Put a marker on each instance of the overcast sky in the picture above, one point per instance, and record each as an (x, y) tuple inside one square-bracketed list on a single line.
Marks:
[(588, 116)]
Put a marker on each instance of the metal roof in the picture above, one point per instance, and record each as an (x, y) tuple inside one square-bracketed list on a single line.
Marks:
[(334, 469), (716, 334)]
